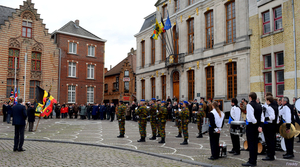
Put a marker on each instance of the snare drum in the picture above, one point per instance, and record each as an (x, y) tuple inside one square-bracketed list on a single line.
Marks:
[(238, 127)]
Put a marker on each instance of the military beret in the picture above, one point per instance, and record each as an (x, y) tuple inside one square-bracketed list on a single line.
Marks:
[(185, 102), (158, 100), (153, 99), (163, 101), (180, 103), (201, 104), (143, 100), (121, 101)]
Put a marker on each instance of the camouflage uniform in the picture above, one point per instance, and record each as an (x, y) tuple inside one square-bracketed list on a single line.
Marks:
[(178, 121), (121, 118), (162, 117), (200, 116), (142, 112), (157, 121), (153, 120), (184, 115)]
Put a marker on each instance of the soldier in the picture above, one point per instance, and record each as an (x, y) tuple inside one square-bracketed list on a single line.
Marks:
[(153, 112), (200, 116), (184, 115), (178, 120), (157, 122), (142, 113), (121, 118), (162, 117)]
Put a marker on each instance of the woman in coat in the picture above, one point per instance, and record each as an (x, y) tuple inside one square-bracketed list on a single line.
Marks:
[(9, 112), (31, 116), (83, 110)]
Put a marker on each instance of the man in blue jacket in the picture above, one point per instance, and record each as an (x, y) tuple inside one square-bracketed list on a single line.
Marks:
[(19, 116)]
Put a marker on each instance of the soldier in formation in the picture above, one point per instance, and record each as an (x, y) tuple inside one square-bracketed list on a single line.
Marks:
[(162, 117), (184, 115), (200, 116), (178, 120), (153, 121), (121, 118), (142, 114)]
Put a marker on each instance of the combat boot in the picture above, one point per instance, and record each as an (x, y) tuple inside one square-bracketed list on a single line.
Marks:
[(200, 135), (120, 136), (179, 135), (153, 138), (184, 142), (142, 139), (162, 140), (158, 135)]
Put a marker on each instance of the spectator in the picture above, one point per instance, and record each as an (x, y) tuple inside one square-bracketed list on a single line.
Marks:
[(31, 117), (9, 112), (83, 110)]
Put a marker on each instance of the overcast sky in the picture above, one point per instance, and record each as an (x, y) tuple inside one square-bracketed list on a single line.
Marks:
[(114, 20)]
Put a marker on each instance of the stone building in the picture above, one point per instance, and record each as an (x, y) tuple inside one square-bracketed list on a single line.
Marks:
[(81, 67), (272, 47), (120, 81), (22, 32), (210, 57)]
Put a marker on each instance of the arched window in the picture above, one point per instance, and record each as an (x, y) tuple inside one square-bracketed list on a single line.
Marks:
[(231, 80), (210, 81), (209, 29), (176, 39), (153, 87), (191, 84)]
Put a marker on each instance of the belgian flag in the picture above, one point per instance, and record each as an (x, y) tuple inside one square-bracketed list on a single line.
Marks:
[(44, 102)]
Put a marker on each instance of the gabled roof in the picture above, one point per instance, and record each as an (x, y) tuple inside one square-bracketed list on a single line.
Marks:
[(159, 2), (116, 69), (5, 12), (71, 29), (149, 21)]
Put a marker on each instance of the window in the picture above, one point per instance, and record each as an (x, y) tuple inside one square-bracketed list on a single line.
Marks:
[(153, 87), (266, 22), (279, 83), (210, 82), (143, 53), (105, 88), (191, 2), (91, 51), (177, 5), (32, 89), (164, 11), (152, 51), (71, 94), (209, 29), (277, 18), (163, 47), (90, 71), (13, 57), (10, 86), (36, 61), (231, 80), (72, 69), (279, 59), (268, 81), (230, 22), (176, 38), (191, 36), (117, 83), (90, 95), (164, 87), (26, 29), (191, 85), (126, 73), (143, 89), (267, 61), (126, 87), (72, 47)]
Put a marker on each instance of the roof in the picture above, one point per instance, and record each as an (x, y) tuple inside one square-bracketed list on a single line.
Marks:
[(149, 21), (5, 12), (71, 29), (116, 69)]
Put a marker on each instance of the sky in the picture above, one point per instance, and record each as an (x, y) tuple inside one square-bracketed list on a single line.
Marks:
[(117, 21)]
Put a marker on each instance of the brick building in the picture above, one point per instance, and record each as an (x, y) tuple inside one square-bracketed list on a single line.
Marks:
[(120, 81), (272, 66), (81, 64), (22, 32)]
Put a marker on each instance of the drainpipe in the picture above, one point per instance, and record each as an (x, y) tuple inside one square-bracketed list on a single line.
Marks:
[(295, 52), (59, 72)]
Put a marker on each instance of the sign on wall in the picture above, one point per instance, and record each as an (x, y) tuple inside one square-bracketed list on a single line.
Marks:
[(126, 79), (126, 98)]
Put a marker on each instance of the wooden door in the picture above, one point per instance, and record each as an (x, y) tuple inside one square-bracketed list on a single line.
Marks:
[(176, 85)]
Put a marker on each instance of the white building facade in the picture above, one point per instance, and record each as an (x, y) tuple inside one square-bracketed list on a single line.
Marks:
[(212, 57)]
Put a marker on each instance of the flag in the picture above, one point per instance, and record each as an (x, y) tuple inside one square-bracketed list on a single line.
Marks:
[(157, 30), (48, 107), (168, 24), (16, 96), (44, 102), (11, 96)]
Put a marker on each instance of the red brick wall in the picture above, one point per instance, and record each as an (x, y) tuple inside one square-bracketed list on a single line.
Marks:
[(81, 60)]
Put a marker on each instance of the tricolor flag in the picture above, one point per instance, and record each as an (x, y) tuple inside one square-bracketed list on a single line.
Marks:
[(16, 96), (158, 29), (44, 102), (11, 96)]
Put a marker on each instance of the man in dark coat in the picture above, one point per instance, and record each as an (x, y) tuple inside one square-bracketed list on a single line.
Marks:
[(31, 117), (133, 106), (4, 111), (112, 112), (19, 116), (108, 111)]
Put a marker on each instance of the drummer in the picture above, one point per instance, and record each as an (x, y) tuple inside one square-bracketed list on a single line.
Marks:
[(269, 128), (235, 115)]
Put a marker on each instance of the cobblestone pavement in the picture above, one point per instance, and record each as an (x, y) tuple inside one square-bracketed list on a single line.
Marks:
[(105, 133)]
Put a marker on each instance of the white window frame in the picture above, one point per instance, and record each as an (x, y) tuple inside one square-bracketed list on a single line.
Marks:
[(126, 71), (71, 94), (90, 95), (73, 47), (91, 71), (91, 51), (72, 69)]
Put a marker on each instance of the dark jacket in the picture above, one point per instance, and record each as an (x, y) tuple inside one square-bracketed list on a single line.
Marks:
[(112, 109), (30, 113), (8, 109), (19, 114), (95, 110)]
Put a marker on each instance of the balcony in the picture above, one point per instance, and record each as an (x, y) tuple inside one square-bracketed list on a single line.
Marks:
[(175, 59)]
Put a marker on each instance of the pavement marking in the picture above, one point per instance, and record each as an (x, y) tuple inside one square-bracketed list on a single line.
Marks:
[(237, 158)]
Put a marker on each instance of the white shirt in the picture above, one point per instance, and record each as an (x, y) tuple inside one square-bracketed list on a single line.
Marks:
[(250, 115), (218, 119), (286, 114), (235, 113), (270, 113), (279, 113)]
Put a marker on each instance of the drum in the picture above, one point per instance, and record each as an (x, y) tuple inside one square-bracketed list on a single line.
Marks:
[(238, 127), (261, 148), (223, 150), (245, 145)]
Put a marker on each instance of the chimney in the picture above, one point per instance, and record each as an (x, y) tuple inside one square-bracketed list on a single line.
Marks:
[(105, 70), (77, 23), (110, 67)]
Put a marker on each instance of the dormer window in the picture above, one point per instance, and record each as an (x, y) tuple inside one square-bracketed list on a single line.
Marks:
[(27, 29)]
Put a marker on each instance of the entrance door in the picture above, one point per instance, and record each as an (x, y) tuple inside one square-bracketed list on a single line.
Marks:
[(176, 85)]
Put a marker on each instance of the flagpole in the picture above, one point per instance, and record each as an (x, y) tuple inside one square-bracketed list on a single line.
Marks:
[(25, 77), (167, 49), (16, 61)]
